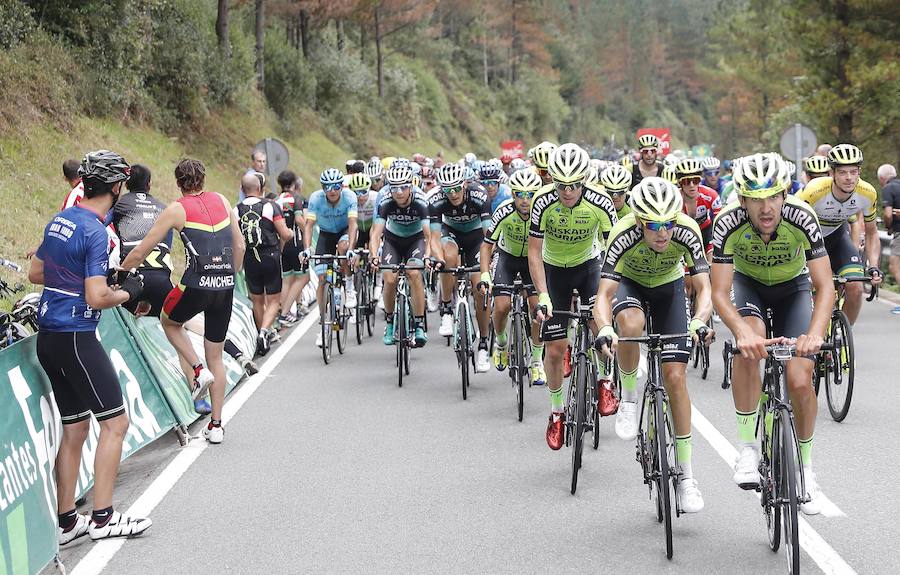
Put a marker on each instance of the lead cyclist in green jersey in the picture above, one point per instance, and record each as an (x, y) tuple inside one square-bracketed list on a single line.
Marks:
[(762, 247), (566, 218), (643, 274), (509, 232)]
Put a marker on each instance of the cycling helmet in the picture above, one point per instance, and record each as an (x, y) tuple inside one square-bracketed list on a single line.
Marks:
[(451, 175), (668, 174), (540, 154), (592, 176), (726, 164), (615, 177), (332, 176), (656, 200), (517, 164), (792, 167), (671, 160), (416, 168), (816, 165), (688, 167), (470, 158), (496, 162), (399, 175), (711, 163), (386, 162), (400, 163), (359, 182), (470, 173), (104, 166), (845, 155), (627, 162), (761, 175), (568, 164), (489, 172), (374, 169), (525, 181), (648, 141), (419, 158)]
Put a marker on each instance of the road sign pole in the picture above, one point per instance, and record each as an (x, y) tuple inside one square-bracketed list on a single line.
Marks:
[(798, 145), (269, 165)]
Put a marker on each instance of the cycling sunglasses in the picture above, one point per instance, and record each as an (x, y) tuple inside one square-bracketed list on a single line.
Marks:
[(452, 191), (568, 187), (690, 180), (490, 182), (657, 226), (524, 195), (401, 188), (333, 187), (616, 193), (711, 172), (362, 191)]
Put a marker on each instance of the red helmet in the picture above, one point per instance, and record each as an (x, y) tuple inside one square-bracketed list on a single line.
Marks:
[(419, 159)]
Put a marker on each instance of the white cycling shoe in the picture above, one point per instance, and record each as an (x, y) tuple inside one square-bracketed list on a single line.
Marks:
[(814, 505), (626, 420), (351, 298), (746, 468), (689, 497), (482, 361), (446, 328)]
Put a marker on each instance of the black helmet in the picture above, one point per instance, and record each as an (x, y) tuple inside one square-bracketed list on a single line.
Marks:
[(105, 166)]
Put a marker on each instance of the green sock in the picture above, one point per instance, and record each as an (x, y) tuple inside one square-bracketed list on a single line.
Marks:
[(556, 399), (537, 354), (501, 339), (806, 451), (629, 384), (683, 454), (746, 421)]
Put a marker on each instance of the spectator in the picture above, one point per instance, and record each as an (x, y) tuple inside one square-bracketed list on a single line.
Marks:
[(70, 172), (823, 150), (294, 273), (890, 197), (258, 166)]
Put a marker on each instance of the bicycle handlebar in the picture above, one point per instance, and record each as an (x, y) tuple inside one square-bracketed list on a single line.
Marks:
[(328, 257), (400, 267), (458, 271), (841, 280)]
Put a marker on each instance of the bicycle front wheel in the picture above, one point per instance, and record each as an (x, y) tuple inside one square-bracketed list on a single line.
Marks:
[(340, 318), (462, 347), (579, 377), (663, 475), (400, 335), (517, 365), (788, 495), (839, 379), (770, 489), (327, 329)]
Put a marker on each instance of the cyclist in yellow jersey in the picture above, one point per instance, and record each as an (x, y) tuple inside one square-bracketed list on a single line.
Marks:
[(762, 247), (836, 200)]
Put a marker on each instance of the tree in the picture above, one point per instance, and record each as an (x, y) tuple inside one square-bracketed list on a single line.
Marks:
[(260, 44), (222, 29)]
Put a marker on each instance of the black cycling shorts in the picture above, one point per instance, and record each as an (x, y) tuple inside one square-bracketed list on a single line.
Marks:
[(362, 239), (790, 301), (584, 277), (184, 303), (469, 243), (396, 249), (668, 313), (505, 272), (262, 270), (326, 245), (844, 256), (290, 260), (83, 378), (157, 285)]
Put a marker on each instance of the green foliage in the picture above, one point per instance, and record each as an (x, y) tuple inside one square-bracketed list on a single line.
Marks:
[(290, 82), (16, 23)]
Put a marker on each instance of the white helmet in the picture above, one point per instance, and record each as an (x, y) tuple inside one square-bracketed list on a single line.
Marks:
[(517, 164), (450, 175), (761, 175), (615, 177), (710, 163), (656, 200), (470, 158), (540, 154), (568, 164), (525, 181)]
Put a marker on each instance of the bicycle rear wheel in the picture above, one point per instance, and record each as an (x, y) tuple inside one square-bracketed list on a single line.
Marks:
[(839, 379), (788, 494), (770, 490), (594, 403), (663, 475), (579, 377), (462, 347)]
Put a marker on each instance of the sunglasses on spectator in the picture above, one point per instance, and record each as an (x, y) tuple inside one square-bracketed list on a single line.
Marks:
[(524, 195), (657, 226), (333, 187), (694, 180), (452, 191)]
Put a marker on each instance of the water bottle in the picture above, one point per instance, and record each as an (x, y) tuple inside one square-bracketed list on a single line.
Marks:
[(337, 299)]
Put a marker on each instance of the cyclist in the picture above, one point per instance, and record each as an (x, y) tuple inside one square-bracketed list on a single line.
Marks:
[(644, 264), (566, 218), (402, 223), (459, 215), (509, 232), (836, 200), (334, 209), (700, 202), (540, 156), (757, 247), (72, 264), (647, 166), (375, 171), (816, 167), (711, 179), (489, 178), (360, 184), (294, 274), (616, 180)]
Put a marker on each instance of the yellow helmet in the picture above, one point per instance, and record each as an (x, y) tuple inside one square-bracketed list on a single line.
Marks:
[(845, 155), (761, 176), (627, 163), (668, 174), (540, 154), (525, 181), (816, 165), (688, 167), (386, 162), (359, 182), (593, 176), (648, 141)]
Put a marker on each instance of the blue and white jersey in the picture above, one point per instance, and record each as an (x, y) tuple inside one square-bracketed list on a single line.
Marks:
[(332, 218), (503, 194)]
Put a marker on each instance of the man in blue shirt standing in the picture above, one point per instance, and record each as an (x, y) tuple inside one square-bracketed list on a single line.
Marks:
[(72, 263)]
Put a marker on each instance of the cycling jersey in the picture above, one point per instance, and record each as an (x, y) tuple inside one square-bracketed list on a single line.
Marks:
[(637, 176), (332, 217), (832, 212), (473, 213), (75, 247), (708, 206), (623, 211), (503, 194), (735, 241), (365, 212), (207, 242), (73, 198), (256, 217), (403, 222), (133, 216), (569, 233), (628, 255), (509, 230)]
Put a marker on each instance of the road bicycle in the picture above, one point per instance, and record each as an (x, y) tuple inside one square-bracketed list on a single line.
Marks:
[(463, 336), (700, 353), (403, 321), (364, 283), (335, 315), (520, 347)]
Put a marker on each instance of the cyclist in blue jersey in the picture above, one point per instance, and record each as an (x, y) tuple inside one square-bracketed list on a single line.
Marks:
[(72, 263), (489, 178), (334, 209), (711, 171)]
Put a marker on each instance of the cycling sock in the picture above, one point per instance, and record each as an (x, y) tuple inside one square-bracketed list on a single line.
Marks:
[(68, 520), (388, 317), (537, 354), (501, 339), (806, 451), (420, 321), (556, 400), (482, 343), (214, 423), (446, 308), (232, 349), (746, 421), (100, 517), (683, 449), (629, 384)]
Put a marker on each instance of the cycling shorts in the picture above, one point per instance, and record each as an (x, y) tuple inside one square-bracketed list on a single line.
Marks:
[(83, 378), (706, 234), (469, 244), (585, 277), (790, 301), (667, 310), (505, 272), (262, 270), (290, 260), (362, 239), (183, 303), (844, 256), (157, 285), (396, 249), (327, 245)]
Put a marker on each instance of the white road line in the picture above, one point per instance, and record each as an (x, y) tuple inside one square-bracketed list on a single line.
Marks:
[(98, 557), (821, 552)]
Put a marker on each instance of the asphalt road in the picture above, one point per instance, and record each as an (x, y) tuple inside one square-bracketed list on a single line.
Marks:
[(336, 469)]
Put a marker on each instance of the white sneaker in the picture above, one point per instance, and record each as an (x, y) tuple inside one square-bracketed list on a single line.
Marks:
[(319, 339), (351, 297), (352, 318), (689, 497), (376, 293), (81, 528), (813, 506), (746, 468), (482, 361), (446, 328), (214, 435), (202, 381), (626, 420), (432, 300), (120, 526)]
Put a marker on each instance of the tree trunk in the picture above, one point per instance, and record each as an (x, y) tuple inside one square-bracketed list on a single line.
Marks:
[(339, 30), (304, 33), (260, 42), (378, 57), (362, 43), (484, 58), (514, 47), (222, 29), (842, 60)]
